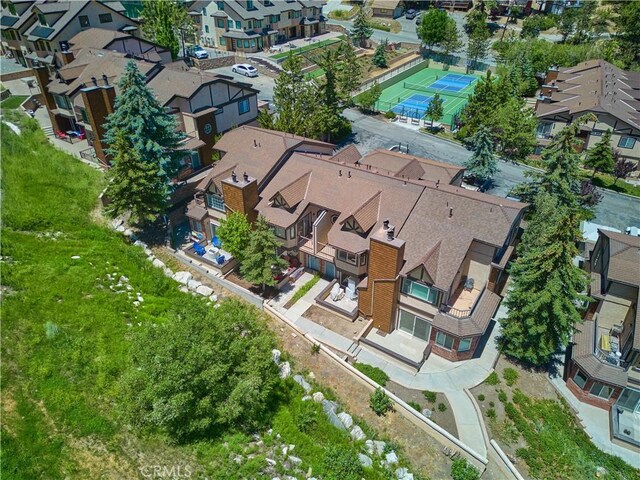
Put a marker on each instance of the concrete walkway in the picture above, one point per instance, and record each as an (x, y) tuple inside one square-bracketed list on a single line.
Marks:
[(596, 423)]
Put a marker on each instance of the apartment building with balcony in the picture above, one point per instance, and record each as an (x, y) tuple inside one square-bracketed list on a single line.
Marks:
[(604, 369), (82, 93), (38, 32), (421, 257), (253, 25), (597, 87)]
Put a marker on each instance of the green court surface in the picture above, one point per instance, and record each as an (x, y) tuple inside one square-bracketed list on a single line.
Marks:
[(411, 96)]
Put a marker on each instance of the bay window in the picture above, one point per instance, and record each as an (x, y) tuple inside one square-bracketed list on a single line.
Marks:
[(444, 340)]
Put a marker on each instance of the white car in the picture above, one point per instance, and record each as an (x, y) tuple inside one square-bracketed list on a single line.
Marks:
[(198, 52), (245, 69)]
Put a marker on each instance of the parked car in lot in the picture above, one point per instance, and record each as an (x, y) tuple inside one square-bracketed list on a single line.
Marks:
[(196, 51), (245, 69), (411, 13)]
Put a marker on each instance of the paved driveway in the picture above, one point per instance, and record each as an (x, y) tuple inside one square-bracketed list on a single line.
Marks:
[(263, 83)]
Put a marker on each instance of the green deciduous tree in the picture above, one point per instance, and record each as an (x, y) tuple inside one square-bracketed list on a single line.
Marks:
[(261, 262), (547, 287), (165, 21), (149, 129), (380, 55), (482, 164), (200, 372), (361, 30), (600, 157), (451, 43), (135, 186), (435, 110), (432, 29), (235, 233), (627, 22), (367, 100)]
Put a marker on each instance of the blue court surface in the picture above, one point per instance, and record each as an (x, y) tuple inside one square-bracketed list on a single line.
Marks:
[(414, 106), (452, 83)]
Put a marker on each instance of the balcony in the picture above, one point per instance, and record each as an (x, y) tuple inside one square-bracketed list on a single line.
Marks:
[(463, 321), (318, 249), (463, 301)]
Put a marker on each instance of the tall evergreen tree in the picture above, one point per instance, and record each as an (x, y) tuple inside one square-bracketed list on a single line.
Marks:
[(482, 106), (380, 55), (331, 101), (165, 22), (152, 131), (482, 164), (134, 186), (451, 43), (546, 286), (361, 31), (514, 129), (261, 263), (435, 110), (600, 156), (349, 71)]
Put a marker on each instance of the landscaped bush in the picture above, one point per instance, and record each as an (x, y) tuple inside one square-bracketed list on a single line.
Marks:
[(415, 405), (481, 397), (502, 396), (303, 290), (491, 413), (442, 407), (492, 404), (379, 402), (493, 379), (390, 115), (374, 373), (510, 375), (430, 396), (461, 470)]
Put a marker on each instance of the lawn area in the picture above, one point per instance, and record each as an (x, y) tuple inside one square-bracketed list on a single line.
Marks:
[(609, 182), (67, 340), (531, 422), (306, 48), (13, 102), (318, 72)]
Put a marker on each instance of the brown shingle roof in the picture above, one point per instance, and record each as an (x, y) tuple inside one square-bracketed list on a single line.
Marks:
[(295, 192), (595, 86), (582, 354), (624, 257), (348, 155), (367, 214)]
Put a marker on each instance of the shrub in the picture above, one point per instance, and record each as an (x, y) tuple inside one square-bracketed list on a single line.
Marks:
[(379, 402), (461, 470), (491, 413), (303, 290), (502, 396), (415, 406), (307, 416), (390, 115), (492, 404), (510, 375), (374, 373), (493, 379), (341, 464), (442, 407), (430, 396), (481, 397), (315, 348)]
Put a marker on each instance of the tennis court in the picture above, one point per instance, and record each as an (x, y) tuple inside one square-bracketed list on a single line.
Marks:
[(412, 95)]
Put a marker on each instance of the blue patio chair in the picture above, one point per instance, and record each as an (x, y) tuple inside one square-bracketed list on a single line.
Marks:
[(220, 259), (216, 242), (199, 249)]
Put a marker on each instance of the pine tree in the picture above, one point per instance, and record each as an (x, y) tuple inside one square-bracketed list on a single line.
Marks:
[(546, 287), (349, 71), (380, 55), (134, 186), (600, 156), (514, 129), (165, 21), (362, 30), (435, 110), (152, 131), (482, 164), (482, 106), (261, 263), (451, 42), (235, 233)]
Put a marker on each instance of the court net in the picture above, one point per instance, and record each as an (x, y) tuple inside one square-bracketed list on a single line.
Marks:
[(422, 88)]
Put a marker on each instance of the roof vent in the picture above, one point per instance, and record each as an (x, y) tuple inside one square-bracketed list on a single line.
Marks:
[(95, 81), (385, 224), (438, 183), (450, 212), (390, 233), (349, 174), (234, 177), (105, 79), (339, 173), (245, 177), (255, 143)]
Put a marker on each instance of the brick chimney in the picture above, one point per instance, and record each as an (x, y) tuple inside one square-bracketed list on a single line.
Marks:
[(42, 76), (99, 103), (240, 194), (378, 300)]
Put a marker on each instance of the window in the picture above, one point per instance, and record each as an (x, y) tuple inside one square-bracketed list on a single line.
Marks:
[(243, 106), (443, 340), (197, 226), (206, 29), (465, 344), (220, 5), (258, 24), (42, 19), (275, 18), (238, 24), (347, 257), (544, 129), (213, 227), (229, 23), (580, 379), (220, 22), (105, 18), (83, 112), (249, 24), (12, 8), (601, 390), (246, 44), (363, 259), (84, 21), (223, 42), (420, 291), (249, 4), (414, 325), (215, 201), (292, 231), (626, 142), (279, 231), (204, 10), (62, 102)]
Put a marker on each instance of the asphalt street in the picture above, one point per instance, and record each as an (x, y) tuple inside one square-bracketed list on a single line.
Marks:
[(615, 210)]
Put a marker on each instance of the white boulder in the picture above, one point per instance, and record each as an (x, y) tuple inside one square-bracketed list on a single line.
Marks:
[(318, 397), (275, 353), (364, 460), (391, 458), (284, 371), (193, 284), (346, 419), (158, 263), (299, 379), (204, 290), (357, 434), (182, 277)]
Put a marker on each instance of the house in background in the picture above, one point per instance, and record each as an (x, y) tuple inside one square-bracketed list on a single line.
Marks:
[(254, 25), (387, 8), (39, 34), (419, 256), (597, 87), (604, 367)]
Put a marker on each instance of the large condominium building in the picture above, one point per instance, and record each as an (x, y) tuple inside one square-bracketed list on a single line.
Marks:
[(419, 256), (253, 25)]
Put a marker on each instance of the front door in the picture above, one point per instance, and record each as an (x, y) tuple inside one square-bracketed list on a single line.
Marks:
[(329, 270), (313, 263)]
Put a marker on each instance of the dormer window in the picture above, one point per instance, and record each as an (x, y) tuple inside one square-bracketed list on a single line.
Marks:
[(278, 202), (12, 8), (42, 19), (350, 225)]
